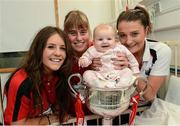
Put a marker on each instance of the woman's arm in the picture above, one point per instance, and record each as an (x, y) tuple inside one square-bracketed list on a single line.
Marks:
[(159, 71), (154, 83)]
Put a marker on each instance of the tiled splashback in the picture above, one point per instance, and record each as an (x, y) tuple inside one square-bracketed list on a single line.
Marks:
[(11, 59)]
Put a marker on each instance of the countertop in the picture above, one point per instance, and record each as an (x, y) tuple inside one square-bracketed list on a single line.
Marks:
[(9, 61), (7, 70)]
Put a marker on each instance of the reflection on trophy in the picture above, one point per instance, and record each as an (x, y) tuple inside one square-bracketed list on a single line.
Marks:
[(108, 102)]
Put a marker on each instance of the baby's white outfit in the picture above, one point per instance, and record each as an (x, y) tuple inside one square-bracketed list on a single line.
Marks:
[(108, 76)]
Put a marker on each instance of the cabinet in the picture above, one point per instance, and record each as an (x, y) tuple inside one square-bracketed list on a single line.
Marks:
[(163, 13), (166, 16)]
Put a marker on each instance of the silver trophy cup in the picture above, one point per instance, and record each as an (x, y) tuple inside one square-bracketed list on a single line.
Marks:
[(107, 102)]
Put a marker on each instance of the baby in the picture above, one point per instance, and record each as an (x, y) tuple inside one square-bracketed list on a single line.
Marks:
[(106, 47)]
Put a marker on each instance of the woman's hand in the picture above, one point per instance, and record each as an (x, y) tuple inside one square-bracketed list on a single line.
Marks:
[(96, 64), (121, 61)]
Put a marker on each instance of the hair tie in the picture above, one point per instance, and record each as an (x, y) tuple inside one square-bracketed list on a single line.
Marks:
[(127, 8)]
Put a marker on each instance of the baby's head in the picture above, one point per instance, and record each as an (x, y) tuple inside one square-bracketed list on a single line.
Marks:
[(104, 36)]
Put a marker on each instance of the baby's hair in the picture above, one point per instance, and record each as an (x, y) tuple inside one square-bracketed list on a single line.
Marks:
[(103, 26)]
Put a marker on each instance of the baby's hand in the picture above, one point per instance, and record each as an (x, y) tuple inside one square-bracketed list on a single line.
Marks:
[(82, 63)]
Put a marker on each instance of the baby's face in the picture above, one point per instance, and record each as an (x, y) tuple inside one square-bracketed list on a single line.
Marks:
[(104, 40)]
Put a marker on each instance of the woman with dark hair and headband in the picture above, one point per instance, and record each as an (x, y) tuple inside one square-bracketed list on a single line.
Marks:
[(154, 57)]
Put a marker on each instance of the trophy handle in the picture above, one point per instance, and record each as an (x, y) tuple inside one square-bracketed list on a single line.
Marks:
[(74, 92), (69, 82)]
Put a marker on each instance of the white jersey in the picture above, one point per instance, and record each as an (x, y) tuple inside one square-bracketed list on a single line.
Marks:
[(161, 54)]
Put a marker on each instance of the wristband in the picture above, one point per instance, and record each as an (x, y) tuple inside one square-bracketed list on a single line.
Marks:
[(143, 91)]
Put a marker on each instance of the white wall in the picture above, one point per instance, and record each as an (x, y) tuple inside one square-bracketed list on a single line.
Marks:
[(97, 11), (20, 20), (0, 26)]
